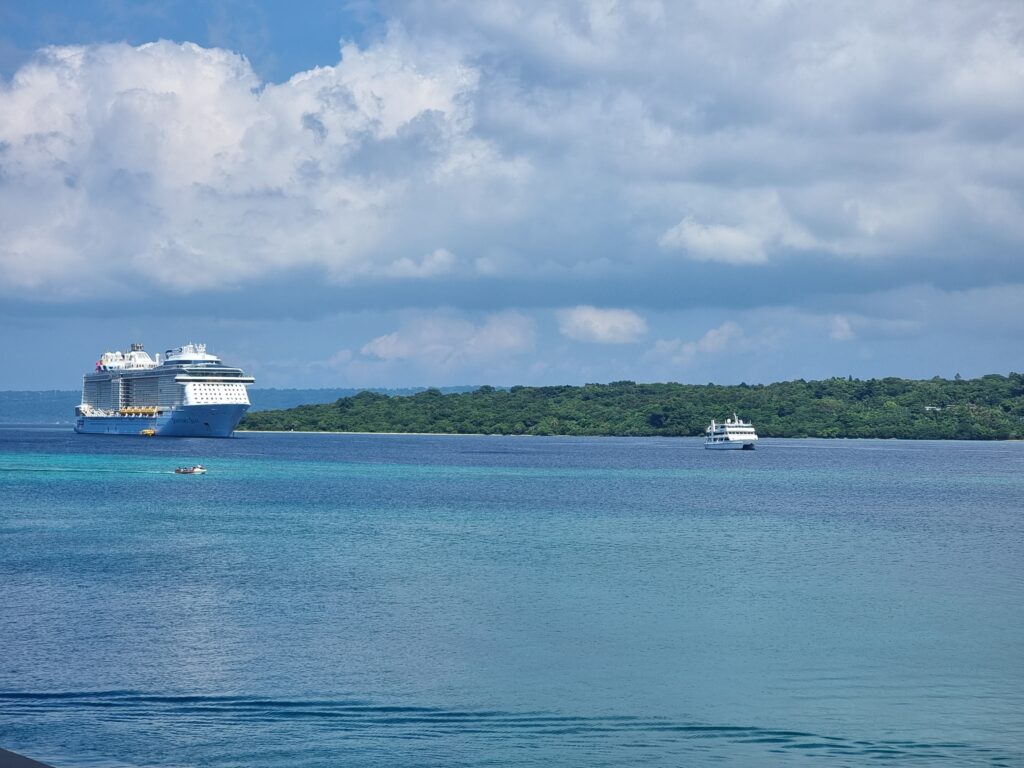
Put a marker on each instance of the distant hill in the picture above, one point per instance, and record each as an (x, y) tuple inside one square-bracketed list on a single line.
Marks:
[(57, 406), (991, 407)]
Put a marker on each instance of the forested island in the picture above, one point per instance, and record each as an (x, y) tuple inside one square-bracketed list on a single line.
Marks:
[(987, 408)]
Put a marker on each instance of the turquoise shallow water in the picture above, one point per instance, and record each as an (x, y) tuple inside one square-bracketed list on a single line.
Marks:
[(329, 600)]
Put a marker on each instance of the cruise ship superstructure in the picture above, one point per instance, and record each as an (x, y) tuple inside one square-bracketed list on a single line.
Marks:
[(190, 393)]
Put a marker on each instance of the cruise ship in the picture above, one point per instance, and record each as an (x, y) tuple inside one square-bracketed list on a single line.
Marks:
[(190, 393), (734, 433)]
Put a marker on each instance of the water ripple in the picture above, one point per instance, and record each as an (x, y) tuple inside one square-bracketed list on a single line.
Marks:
[(423, 722)]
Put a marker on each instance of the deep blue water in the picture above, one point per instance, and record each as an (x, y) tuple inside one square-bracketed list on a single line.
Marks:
[(360, 600)]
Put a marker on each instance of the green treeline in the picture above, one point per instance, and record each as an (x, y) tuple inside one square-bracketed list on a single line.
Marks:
[(988, 408)]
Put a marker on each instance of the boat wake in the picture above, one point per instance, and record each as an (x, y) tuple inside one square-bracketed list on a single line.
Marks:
[(98, 470)]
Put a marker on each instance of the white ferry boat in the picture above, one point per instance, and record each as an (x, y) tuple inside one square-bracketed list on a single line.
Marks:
[(733, 434), (190, 393)]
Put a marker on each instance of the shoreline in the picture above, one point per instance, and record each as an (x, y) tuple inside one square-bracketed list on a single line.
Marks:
[(632, 437), (67, 426), (427, 434)]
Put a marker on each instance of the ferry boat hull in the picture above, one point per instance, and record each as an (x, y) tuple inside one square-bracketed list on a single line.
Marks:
[(183, 421), (731, 445)]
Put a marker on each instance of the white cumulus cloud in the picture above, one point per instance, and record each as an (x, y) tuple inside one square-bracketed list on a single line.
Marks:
[(679, 352), (438, 262), (172, 165), (446, 340), (714, 242), (601, 326), (842, 329)]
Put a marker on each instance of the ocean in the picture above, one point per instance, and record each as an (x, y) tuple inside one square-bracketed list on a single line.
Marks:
[(413, 600)]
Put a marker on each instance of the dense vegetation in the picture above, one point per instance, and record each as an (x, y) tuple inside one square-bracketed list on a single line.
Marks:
[(991, 407), (57, 406)]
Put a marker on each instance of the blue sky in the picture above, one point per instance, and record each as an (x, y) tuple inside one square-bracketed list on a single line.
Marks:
[(409, 193)]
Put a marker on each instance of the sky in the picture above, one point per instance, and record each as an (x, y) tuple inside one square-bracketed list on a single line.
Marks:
[(413, 193)]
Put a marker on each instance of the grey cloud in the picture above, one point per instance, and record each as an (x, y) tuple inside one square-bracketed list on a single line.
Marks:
[(556, 146)]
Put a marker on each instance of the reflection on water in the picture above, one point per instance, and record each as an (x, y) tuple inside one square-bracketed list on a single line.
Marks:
[(565, 736)]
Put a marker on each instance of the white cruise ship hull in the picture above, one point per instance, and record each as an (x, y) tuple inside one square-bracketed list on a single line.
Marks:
[(730, 445), (216, 420)]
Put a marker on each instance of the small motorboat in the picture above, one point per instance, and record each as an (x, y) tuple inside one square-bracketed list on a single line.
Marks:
[(198, 469), (148, 432)]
